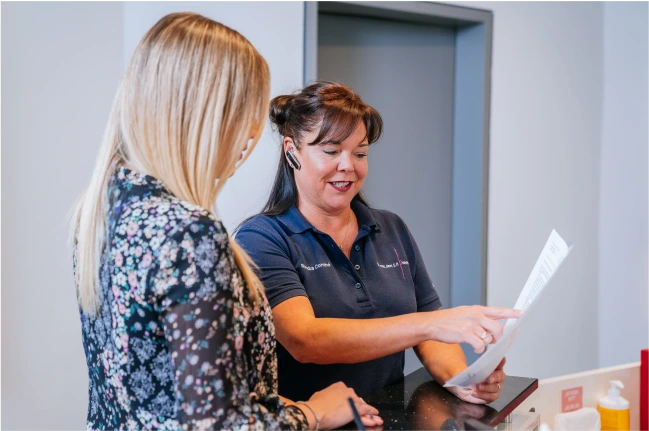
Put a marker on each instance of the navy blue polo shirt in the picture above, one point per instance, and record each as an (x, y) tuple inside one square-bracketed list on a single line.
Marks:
[(385, 276)]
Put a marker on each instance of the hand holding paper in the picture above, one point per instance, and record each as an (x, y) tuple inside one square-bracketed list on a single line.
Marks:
[(465, 325), (553, 254)]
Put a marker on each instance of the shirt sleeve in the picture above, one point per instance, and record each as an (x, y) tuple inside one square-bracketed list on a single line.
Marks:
[(427, 296), (198, 292), (271, 255)]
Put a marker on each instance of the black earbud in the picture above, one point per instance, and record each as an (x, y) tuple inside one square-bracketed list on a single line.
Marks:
[(290, 155)]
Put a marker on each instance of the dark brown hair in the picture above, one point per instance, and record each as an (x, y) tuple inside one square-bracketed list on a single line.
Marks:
[(335, 109)]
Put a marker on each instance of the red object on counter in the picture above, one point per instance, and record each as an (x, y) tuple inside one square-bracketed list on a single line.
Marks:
[(571, 399), (644, 389)]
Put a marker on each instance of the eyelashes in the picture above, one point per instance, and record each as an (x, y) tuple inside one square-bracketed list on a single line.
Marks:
[(359, 156)]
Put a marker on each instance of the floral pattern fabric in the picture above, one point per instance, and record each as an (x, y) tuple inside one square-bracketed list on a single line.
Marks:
[(177, 343)]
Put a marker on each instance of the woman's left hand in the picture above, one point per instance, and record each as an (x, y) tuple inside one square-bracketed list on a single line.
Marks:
[(485, 392)]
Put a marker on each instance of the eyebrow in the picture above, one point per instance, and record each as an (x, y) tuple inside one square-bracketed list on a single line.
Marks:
[(338, 143)]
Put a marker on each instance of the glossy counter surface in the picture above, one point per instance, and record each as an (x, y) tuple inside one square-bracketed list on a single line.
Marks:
[(418, 402)]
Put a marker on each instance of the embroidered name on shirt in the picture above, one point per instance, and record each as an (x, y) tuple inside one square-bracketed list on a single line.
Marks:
[(398, 263), (313, 268), (392, 265)]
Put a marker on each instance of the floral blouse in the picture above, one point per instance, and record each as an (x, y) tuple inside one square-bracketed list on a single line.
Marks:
[(177, 343)]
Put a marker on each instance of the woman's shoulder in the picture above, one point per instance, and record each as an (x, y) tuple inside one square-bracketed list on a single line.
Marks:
[(260, 223), (164, 216), (263, 232), (386, 218)]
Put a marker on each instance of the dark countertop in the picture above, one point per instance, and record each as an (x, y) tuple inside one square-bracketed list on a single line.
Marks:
[(417, 402)]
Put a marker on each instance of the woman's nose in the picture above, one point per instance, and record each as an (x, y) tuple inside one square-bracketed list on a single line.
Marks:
[(346, 164)]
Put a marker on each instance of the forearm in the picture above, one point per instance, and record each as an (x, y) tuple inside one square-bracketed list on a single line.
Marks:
[(441, 360), (328, 340)]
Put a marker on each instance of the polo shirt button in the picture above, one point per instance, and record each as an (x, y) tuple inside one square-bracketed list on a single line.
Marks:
[(358, 247), (358, 285), (357, 267)]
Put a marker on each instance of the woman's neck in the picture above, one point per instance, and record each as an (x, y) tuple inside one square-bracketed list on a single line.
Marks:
[(328, 222)]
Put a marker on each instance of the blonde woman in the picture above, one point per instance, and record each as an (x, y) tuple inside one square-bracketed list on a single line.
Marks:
[(176, 328)]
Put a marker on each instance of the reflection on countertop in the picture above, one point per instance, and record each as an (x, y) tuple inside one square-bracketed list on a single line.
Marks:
[(419, 403)]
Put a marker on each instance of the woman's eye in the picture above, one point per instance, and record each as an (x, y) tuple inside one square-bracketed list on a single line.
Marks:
[(331, 153), (361, 155)]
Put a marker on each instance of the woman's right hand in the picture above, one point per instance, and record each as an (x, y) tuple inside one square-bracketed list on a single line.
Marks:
[(475, 325), (333, 409)]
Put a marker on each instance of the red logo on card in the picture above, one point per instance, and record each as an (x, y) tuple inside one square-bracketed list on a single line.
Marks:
[(571, 399)]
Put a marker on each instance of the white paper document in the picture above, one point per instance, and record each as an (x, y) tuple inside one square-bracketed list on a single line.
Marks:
[(553, 254)]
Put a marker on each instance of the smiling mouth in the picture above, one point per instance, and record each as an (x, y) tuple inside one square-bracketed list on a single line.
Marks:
[(341, 186)]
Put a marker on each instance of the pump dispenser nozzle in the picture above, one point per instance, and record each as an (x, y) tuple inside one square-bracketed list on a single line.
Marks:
[(614, 391)]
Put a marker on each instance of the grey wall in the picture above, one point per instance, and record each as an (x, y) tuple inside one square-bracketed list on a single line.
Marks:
[(623, 255), (546, 116), (60, 66)]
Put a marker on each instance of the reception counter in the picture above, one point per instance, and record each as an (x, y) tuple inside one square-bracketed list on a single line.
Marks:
[(419, 403)]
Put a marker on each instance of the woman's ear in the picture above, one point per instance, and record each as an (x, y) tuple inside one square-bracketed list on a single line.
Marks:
[(288, 144), (289, 152)]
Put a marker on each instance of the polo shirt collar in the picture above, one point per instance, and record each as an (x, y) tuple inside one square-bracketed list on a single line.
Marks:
[(295, 221), (364, 216)]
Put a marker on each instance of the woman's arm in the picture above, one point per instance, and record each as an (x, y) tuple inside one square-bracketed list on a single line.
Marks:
[(441, 360), (444, 361), (327, 340), (204, 326), (330, 340)]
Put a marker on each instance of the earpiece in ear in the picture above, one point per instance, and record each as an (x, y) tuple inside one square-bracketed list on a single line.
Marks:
[(290, 156)]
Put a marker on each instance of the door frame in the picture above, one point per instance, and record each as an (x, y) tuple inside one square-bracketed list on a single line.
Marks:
[(471, 114)]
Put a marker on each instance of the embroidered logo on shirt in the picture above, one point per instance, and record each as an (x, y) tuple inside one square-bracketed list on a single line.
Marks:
[(398, 263), (316, 266)]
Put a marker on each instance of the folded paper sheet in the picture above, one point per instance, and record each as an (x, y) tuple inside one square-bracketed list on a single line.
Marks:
[(553, 254)]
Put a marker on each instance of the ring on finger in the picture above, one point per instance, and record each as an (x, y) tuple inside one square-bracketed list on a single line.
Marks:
[(484, 335)]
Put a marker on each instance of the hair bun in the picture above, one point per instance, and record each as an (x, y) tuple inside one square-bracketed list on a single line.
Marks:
[(280, 107)]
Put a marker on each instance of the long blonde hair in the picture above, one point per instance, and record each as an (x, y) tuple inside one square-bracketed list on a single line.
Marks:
[(192, 95)]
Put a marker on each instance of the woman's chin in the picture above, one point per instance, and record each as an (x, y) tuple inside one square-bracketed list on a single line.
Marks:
[(339, 205)]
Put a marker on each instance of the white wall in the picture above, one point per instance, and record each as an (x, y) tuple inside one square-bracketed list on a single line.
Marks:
[(623, 255), (60, 66), (544, 174)]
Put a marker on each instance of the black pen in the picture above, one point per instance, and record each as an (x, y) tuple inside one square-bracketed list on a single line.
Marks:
[(357, 417)]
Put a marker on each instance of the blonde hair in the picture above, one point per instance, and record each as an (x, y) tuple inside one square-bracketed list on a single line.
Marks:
[(192, 95)]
